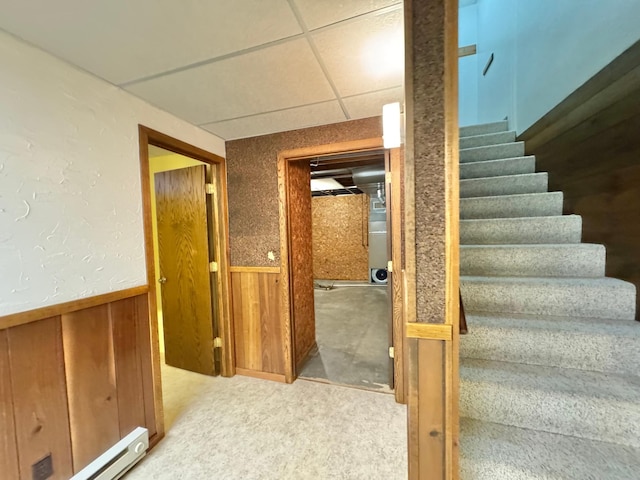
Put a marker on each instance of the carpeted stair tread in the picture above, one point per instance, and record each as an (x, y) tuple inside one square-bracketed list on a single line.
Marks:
[(524, 230), (487, 139), (505, 185), (582, 297), (498, 168), (484, 128), (510, 206), (602, 345), (548, 260), (555, 380), (492, 152), (491, 451), (594, 405)]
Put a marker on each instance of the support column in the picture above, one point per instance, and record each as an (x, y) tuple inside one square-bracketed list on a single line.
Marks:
[(432, 236)]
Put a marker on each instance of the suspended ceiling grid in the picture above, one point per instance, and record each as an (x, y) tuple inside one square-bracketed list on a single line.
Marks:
[(236, 68)]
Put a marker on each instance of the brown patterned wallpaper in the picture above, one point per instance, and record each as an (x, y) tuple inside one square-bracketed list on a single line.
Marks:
[(253, 184), (426, 124), (340, 250)]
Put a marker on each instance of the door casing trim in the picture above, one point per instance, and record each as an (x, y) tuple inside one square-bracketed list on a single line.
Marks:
[(147, 136), (284, 157)]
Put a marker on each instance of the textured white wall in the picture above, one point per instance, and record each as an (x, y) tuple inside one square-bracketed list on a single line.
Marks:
[(544, 50), (70, 195), (468, 67)]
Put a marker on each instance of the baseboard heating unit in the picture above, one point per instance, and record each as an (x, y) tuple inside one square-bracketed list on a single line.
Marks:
[(117, 461)]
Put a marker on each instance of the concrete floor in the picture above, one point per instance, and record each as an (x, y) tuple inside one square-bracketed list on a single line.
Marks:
[(352, 333), (249, 429)]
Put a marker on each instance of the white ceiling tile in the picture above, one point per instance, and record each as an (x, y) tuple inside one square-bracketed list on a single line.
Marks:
[(320, 13), (366, 54), (278, 77), (370, 104), (124, 40), (282, 121)]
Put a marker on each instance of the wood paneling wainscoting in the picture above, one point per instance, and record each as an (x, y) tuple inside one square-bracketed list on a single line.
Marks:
[(259, 334), (74, 379), (590, 146)]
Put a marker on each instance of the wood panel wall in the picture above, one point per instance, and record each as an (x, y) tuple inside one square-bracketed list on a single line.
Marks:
[(8, 447), (39, 396), (340, 237), (590, 146), (259, 336), (431, 276), (300, 260), (73, 384)]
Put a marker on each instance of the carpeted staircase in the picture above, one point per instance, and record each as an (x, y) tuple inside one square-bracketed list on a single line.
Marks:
[(550, 385)]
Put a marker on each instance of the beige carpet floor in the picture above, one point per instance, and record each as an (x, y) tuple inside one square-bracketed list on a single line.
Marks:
[(245, 428)]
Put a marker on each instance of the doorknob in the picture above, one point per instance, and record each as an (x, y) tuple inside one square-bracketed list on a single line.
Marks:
[(162, 280)]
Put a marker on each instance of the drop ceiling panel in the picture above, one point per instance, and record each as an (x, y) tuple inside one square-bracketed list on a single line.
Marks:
[(366, 54), (325, 12), (124, 40), (275, 78), (282, 121), (370, 104)]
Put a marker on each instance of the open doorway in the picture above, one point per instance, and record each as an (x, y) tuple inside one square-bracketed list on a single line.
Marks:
[(187, 268), (186, 307), (350, 256), (343, 307)]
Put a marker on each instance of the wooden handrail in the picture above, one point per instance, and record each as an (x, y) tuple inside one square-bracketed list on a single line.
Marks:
[(467, 50)]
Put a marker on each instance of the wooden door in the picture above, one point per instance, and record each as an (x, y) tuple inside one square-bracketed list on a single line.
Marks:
[(394, 235), (390, 276), (185, 279), (301, 255)]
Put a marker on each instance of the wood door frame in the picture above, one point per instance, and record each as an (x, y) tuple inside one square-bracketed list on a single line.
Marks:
[(220, 231), (286, 156)]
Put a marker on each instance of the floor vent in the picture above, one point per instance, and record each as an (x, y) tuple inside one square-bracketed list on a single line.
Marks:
[(117, 461)]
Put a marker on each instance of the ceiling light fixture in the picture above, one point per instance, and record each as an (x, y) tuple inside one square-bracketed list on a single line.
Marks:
[(383, 55), (391, 125)]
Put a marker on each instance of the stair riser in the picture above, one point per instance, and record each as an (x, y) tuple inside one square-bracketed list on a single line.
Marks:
[(579, 300), (486, 140), (565, 229), (574, 261), (497, 168), (552, 348), (492, 152), (556, 412), (483, 129), (482, 187), (539, 205)]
